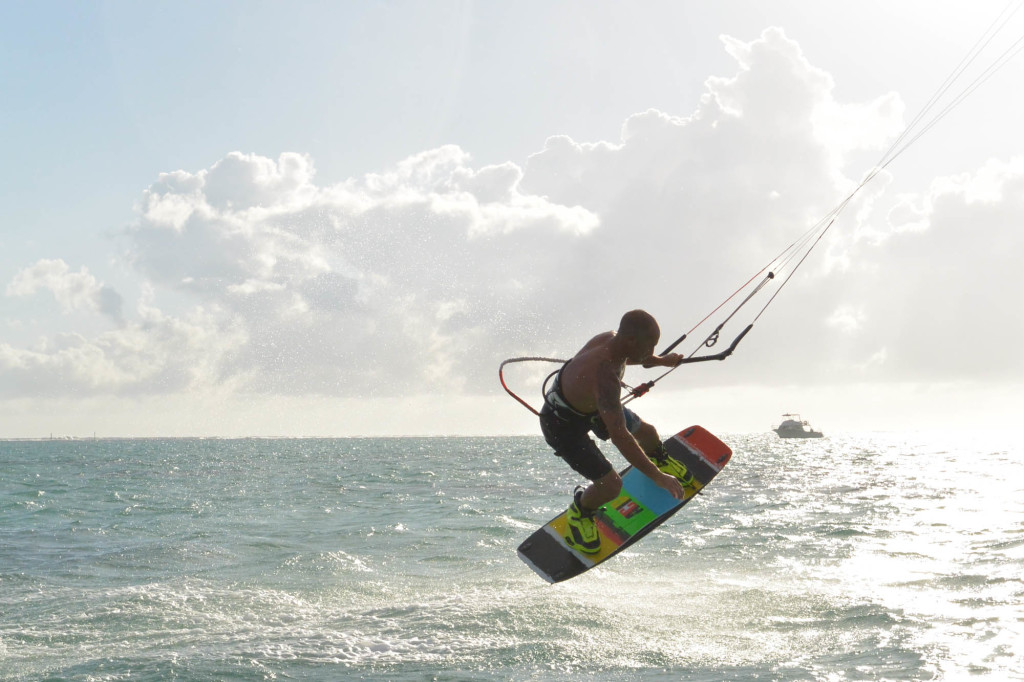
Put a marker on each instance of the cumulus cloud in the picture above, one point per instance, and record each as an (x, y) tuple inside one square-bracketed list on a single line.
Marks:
[(374, 286), (953, 255), (422, 277), (72, 290), (154, 354)]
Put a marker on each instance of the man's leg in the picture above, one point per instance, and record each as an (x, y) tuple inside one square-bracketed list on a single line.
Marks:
[(650, 442), (602, 491), (648, 438), (583, 533), (571, 441)]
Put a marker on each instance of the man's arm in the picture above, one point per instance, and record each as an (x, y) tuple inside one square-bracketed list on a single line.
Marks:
[(670, 360), (610, 409)]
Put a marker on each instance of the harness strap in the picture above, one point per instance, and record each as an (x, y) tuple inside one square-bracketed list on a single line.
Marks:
[(554, 399)]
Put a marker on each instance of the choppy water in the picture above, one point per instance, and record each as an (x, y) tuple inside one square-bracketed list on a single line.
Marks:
[(884, 556)]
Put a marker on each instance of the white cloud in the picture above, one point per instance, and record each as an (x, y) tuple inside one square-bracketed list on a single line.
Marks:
[(846, 318), (245, 181), (946, 297), (422, 277), (72, 290), (155, 354)]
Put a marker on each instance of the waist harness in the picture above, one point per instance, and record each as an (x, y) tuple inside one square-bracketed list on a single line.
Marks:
[(555, 400)]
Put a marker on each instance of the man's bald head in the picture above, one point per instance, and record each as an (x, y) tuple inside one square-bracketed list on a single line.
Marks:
[(640, 325)]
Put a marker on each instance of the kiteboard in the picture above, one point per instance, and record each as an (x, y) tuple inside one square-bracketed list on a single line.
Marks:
[(641, 506)]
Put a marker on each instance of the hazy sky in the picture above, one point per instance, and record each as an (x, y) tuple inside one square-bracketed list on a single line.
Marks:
[(247, 218)]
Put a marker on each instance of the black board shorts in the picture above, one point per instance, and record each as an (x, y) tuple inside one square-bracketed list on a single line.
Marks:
[(569, 435)]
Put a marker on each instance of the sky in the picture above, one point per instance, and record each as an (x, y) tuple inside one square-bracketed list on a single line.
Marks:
[(337, 219)]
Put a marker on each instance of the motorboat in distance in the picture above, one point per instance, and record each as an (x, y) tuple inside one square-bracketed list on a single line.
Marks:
[(793, 426)]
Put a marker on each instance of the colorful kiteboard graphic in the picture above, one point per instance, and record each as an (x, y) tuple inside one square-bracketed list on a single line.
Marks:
[(641, 507)]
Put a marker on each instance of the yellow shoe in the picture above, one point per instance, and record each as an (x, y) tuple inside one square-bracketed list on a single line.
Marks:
[(583, 534), (673, 467)]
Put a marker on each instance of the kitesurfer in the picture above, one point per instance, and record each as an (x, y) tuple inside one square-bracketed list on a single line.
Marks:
[(585, 398)]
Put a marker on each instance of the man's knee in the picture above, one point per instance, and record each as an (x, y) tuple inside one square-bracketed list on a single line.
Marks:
[(608, 486), (611, 481)]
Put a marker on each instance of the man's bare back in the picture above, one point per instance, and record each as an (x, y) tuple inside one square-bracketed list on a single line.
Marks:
[(580, 377)]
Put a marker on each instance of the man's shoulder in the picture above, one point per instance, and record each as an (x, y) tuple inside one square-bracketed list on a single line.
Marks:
[(598, 341)]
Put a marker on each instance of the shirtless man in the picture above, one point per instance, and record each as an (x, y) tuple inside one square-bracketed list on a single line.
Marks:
[(585, 397)]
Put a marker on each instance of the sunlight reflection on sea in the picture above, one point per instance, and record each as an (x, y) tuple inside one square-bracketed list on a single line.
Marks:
[(871, 556)]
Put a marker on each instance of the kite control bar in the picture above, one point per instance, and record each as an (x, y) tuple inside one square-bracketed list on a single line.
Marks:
[(717, 356), (645, 387)]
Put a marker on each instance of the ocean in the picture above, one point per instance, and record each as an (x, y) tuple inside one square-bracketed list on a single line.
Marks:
[(882, 556)]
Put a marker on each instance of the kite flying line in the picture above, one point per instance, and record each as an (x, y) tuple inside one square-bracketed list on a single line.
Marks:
[(781, 269)]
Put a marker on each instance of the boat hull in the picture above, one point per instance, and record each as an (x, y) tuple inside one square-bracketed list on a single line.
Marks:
[(798, 434)]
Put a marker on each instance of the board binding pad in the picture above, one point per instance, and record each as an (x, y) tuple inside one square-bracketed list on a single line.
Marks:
[(641, 506)]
